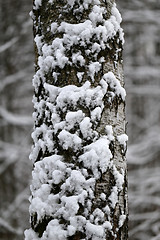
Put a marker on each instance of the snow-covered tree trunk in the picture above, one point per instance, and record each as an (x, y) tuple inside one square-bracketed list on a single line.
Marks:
[(79, 186)]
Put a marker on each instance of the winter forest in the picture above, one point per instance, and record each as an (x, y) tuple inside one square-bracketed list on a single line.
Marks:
[(141, 57)]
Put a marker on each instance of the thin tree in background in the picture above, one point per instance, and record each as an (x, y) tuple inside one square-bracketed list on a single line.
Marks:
[(79, 186)]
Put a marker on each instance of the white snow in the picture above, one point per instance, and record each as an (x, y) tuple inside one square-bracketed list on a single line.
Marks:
[(96, 114), (122, 139), (94, 230), (114, 196), (80, 76), (115, 84), (73, 118), (57, 176), (109, 132), (77, 58), (107, 210), (94, 68), (39, 44), (54, 26), (71, 206), (55, 231), (30, 235), (85, 127), (119, 177), (71, 230), (122, 220), (97, 14), (103, 196), (37, 4), (97, 154), (69, 140)]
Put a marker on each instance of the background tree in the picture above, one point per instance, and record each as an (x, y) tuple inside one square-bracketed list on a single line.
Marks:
[(79, 186), (16, 68), (141, 68)]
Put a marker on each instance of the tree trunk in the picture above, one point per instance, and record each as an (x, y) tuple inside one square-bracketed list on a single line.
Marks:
[(79, 186)]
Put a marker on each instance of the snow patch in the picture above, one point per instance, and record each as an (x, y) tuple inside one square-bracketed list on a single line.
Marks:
[(37, 4), (122, 139)]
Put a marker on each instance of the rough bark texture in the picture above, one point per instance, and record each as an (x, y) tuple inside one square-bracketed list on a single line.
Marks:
[(108, 193)]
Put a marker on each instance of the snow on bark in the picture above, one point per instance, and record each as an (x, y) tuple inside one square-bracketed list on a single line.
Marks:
[(72, 152)]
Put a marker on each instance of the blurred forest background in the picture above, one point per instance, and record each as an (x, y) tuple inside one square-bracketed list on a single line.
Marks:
[(141, 23)]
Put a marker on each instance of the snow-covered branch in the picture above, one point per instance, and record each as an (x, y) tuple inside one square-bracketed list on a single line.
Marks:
[(15, 119)]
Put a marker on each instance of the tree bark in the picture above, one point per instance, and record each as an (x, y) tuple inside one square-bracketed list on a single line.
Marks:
[(79, 187)]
